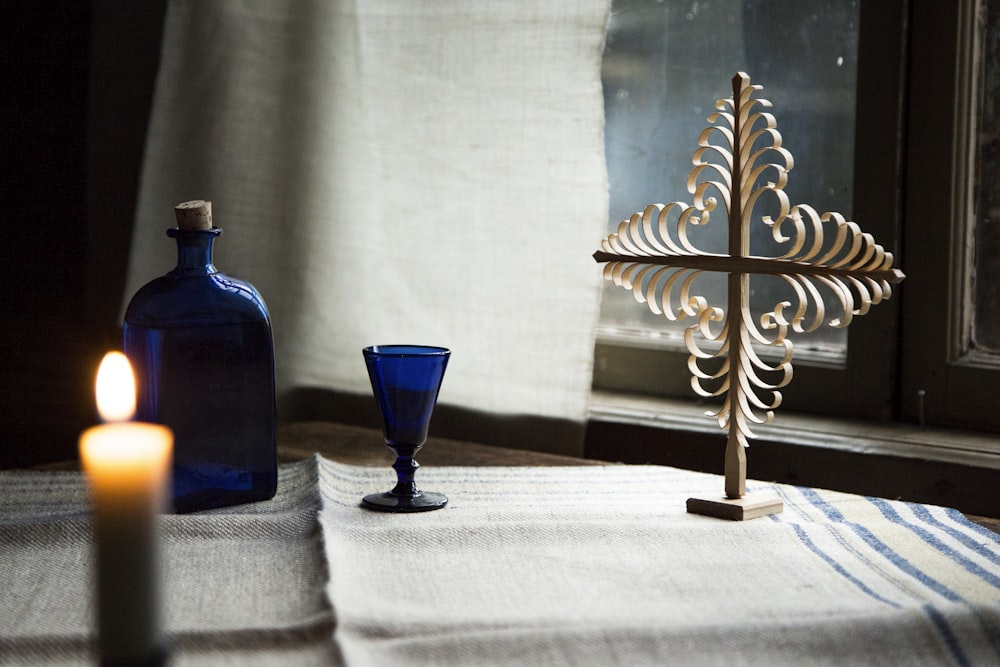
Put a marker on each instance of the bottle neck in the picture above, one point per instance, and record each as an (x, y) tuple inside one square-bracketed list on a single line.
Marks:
[(194, 250)]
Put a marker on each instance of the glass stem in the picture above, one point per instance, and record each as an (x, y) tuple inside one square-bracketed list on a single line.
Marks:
[(406, 468)]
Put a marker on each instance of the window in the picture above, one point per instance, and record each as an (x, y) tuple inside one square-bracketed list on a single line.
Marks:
[(921, 176), (666, 64), (836, 98), (950, 301), (985, 330), (925, 164)]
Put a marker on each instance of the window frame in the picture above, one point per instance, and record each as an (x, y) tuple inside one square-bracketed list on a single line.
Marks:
[(865, 386), (944, 381)]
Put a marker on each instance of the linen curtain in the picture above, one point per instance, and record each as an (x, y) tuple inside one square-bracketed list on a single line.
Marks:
[(392, 171)]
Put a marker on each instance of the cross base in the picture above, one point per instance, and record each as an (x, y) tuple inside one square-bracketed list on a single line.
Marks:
[(749, 506)]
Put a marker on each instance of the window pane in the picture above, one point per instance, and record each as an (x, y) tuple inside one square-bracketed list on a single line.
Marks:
[(666, 63), (986, 329)]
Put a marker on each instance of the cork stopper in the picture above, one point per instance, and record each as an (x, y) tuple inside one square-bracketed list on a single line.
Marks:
[(194, 215)]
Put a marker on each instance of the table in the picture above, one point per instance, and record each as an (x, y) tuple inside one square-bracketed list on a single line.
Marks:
[(546, 563), (354, 445), (359, 445)]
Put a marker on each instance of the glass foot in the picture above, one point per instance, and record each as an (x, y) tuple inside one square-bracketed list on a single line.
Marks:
[(389, 502)]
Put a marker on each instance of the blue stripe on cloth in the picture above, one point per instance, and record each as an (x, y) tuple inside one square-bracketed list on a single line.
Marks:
[(961, 520), (862, 555), (881, 547), (890, 513), (969, 534), (936, 617), (838, 568), (941, 623)]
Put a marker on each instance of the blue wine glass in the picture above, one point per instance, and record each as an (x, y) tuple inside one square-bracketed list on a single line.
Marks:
[(405, 380)]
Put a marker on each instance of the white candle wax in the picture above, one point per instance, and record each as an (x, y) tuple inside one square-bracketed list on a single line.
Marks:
[(128, 470)]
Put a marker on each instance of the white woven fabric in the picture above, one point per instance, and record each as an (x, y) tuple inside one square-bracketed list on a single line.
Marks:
[(243, 585), (393, 171), (603, 566), (525, 566)]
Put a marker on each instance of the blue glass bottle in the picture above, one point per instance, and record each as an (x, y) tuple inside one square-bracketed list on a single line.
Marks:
[(201, 346)]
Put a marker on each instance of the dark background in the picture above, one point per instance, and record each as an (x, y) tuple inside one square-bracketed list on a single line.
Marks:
[(78, 79)]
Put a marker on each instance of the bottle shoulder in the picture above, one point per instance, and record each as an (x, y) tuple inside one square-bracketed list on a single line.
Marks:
[(177, 300)]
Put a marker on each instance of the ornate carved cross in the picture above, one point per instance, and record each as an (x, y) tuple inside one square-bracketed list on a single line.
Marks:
[(652, 256)]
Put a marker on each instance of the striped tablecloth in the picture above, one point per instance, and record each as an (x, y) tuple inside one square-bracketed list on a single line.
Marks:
[(554, 566)]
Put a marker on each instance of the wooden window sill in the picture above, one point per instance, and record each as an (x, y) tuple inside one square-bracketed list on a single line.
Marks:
[(943, 467)]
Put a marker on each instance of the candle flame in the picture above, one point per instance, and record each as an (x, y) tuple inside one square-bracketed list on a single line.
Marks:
[(115, 388)]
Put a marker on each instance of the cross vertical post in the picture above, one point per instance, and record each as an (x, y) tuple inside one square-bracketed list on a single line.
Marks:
[(738, 297)]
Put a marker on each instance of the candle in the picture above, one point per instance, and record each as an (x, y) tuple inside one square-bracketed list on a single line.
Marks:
[(128, 468)]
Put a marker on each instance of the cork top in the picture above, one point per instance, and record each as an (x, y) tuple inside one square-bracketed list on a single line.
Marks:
[(194, 215)]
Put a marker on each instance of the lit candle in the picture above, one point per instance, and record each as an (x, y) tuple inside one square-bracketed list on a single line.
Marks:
[(128, 469)]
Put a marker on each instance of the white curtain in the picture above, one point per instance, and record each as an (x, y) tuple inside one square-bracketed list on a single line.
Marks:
[(392, 171)]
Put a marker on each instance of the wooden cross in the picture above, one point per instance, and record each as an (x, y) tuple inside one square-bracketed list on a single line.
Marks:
[(652, 256)]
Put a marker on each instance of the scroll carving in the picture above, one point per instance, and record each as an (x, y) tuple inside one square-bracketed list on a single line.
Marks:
[(739, 161)]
